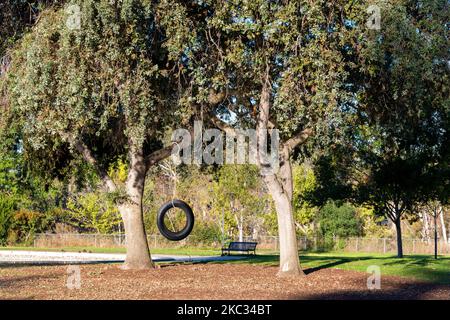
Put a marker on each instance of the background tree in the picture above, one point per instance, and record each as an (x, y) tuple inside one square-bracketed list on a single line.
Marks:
[(404, 103), (93, 212), (238, 193)]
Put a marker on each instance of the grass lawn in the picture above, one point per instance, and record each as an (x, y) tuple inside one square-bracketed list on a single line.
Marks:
[(420, 267)]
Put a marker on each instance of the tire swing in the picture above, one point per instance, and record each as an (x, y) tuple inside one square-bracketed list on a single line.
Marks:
[(175, 235)]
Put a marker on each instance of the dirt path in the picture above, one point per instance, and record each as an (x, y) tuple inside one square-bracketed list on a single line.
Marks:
[(205, 281)]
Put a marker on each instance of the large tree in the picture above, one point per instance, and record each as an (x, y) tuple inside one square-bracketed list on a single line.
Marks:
[(276, 65), (100, 90)]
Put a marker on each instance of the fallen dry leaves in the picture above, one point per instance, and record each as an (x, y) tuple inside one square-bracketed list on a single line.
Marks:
[(205, 281)]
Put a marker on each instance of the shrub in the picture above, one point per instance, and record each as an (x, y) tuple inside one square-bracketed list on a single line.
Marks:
[(206, 233), (24, 225), (342, 221), (7, 207)]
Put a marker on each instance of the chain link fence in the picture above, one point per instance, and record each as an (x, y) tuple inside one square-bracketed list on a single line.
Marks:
[(51, 240), (372, 245)]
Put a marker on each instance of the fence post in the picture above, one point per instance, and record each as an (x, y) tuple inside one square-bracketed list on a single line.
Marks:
[(384, 245), (357, 244), (414, 246)]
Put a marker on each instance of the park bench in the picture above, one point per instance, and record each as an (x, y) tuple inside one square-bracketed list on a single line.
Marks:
[(241, 247)]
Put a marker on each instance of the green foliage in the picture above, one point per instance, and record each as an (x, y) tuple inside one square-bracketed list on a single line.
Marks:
[(94, 213), (106, 83), (372, 223), (118, 171), (378, 102), (218, 197), (7, 207), (304, 184), (237, 181), (299, 43), (341, 221), (8, 177), (333, 171)]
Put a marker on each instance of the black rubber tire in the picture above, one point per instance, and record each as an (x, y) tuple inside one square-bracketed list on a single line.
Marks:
[(180, 235)]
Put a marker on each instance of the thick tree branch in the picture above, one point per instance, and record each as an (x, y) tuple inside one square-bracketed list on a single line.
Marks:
[(230, 131), (390, 211), (164, 153), (389, 214), (88, 156), (159, 155), (297, 140)]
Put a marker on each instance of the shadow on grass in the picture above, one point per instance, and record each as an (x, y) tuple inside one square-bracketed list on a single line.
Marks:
[(418, 260), (328, 261), (326, 266), (421, 268)]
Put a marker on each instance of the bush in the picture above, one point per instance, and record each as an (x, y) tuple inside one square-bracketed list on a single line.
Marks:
[(325, 244), (340, 221), (206, 233), (7, 207), (24, 225)]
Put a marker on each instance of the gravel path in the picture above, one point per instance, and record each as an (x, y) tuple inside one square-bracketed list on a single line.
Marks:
[(44, 258)]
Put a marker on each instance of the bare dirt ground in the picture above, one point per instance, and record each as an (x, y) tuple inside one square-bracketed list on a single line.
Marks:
[(205, 282)]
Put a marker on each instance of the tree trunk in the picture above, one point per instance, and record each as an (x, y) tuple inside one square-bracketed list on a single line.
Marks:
[(289, 259), (280, 189), (138, 253), (444, 229), (435, 233), (241, 228), (426, 226), (398, 227)]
